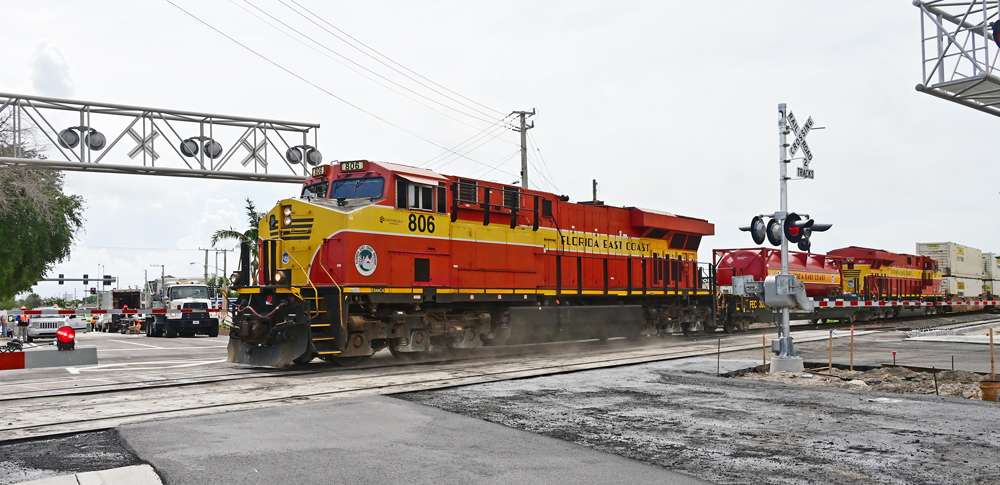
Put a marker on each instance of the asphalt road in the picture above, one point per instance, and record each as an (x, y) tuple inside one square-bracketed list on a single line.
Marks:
[(122, 358)]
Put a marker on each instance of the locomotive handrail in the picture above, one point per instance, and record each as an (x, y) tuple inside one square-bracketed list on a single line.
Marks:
[(631, 286), (487, 206)]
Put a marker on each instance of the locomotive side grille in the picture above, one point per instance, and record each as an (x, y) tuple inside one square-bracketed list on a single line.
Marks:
[(468, 191), (850, 274)]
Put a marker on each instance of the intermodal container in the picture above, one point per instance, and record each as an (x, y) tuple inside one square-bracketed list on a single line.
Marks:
[(957, 286), (954, 259), (991, 266)]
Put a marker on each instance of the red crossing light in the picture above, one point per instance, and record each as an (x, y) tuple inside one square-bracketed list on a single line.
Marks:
[(65, 338)]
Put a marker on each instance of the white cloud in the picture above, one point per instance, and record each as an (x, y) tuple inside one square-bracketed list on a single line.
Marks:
[(50, 71)]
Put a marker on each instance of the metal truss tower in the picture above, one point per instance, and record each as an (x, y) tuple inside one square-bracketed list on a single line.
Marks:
[(151, 141), (958, 53)]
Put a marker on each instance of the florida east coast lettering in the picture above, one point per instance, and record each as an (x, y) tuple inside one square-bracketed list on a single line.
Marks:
[(610, 244)]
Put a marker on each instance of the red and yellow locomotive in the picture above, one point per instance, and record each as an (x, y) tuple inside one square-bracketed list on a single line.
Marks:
[(376, 255)]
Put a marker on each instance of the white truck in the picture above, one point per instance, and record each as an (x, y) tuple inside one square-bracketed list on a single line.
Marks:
[(175, 295)]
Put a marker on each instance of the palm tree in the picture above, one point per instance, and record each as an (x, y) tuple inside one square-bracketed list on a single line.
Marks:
[(249, 236)]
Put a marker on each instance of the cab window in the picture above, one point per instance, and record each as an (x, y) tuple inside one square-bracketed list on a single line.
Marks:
[(316, 190), (358, 188), (420, 197)]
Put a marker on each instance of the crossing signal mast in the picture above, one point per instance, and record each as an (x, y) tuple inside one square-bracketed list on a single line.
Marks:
[(784, 291)]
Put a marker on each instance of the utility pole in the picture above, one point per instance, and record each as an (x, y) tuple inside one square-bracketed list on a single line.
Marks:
[(524, 144), (206, 263)]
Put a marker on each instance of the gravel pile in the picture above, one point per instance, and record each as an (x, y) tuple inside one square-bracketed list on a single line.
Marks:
[(957, 383)]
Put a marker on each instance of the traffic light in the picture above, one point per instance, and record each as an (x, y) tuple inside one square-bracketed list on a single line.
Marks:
[(93, 291), (757, 228), (85, 279), (107, 280), (61, 279)]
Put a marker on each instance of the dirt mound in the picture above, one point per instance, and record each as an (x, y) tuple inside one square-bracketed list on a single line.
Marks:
[(957, 383)]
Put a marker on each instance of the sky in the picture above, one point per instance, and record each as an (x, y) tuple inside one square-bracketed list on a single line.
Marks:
[(669, 105)]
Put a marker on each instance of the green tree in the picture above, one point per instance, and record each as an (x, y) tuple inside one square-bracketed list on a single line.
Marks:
[(250, 235), (38, 222)]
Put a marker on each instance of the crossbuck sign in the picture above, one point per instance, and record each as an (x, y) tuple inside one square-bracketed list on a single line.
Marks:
[(800, 141)]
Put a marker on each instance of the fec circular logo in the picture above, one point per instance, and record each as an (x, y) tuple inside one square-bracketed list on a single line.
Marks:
[(365, 260)]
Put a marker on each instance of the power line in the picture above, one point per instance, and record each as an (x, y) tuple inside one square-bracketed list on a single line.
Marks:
[(531, 138), (338, 98), (272, 17), (387, 58), (496, 132)]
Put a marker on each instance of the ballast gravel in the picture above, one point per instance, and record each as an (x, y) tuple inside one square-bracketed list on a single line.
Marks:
[(732, 430)]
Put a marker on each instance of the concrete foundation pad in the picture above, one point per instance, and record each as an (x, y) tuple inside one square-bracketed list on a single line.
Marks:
[(787, 364), (53, 357)]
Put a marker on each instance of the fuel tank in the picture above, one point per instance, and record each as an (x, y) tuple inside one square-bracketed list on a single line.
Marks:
[(820, 273)]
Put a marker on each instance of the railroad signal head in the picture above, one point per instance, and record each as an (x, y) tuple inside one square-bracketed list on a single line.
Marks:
[(794, 226), (774, 232), (757, 230)]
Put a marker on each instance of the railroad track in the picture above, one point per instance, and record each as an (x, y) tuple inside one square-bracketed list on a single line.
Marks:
[(65, 412), (73, 409)]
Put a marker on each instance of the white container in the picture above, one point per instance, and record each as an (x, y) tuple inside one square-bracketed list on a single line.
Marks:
[(991, 288), (991, 266), (960, 286), (954, 259)]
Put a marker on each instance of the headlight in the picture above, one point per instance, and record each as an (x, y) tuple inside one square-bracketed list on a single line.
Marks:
[(174, 314), (286, 215), (283, 277)]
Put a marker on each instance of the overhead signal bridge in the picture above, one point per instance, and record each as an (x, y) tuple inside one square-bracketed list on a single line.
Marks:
[(959, 52), (152, 141)]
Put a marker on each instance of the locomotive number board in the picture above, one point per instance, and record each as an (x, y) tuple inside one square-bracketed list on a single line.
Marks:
[(352, 166)]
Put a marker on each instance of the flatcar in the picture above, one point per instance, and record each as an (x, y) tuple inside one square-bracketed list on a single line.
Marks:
[(376, 255)]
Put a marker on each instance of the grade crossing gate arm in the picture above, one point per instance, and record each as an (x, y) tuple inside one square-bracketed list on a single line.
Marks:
[(138, 311)]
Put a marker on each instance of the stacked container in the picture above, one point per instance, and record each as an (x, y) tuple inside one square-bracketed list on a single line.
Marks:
[(961, 267), (991, 274)]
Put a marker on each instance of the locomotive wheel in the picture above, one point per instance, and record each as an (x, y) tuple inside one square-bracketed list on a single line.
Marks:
[(744, 324), (687, 328), (710, 329), (730, 327)]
